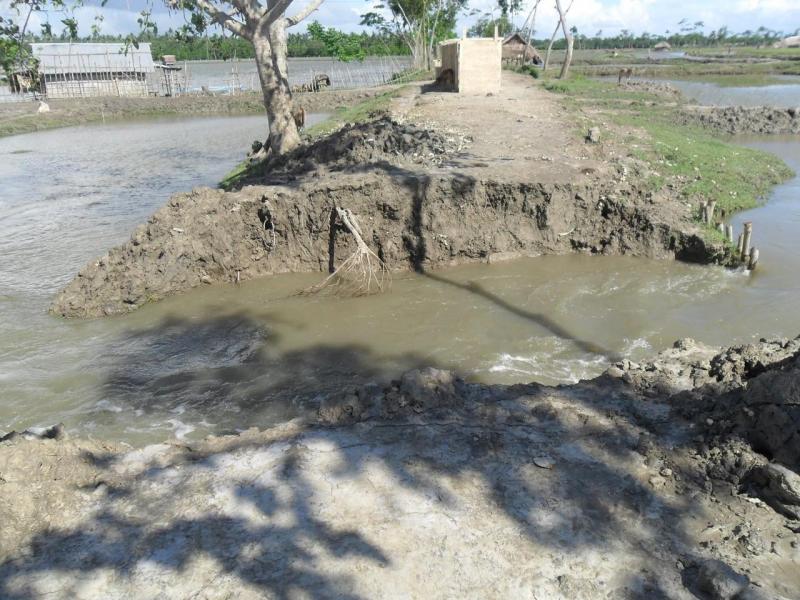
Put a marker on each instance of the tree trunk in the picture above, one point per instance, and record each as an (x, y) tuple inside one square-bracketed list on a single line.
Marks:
[(270, 56), (568, 37), (550, 47), (567, 58)]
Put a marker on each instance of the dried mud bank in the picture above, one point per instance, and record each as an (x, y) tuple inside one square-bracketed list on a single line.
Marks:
[(741, 120), (413, 210), (650, 481)]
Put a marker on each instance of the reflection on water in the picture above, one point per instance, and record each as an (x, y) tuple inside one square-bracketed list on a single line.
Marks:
[(230, 357), (783, 95)]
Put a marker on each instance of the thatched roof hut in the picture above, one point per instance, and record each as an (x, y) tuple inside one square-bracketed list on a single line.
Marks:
[(662, 46), (516, 49), (793, 41)]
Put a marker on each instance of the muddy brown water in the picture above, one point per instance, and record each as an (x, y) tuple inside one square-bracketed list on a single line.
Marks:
[(226, 358)]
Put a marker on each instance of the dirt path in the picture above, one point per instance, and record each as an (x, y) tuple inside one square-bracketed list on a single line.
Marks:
[(521, 134)]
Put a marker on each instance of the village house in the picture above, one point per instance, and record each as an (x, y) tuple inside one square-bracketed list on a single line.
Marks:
[(517, 50), (72, 70)]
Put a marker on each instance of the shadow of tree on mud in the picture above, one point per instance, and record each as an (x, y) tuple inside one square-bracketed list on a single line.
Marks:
[(314, 509)]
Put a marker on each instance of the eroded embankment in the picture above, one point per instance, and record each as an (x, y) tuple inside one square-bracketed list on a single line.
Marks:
[(743, 119), (675, 478), (412, 214)]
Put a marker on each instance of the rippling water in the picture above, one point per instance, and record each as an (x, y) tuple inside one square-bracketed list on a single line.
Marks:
[(230, 357)]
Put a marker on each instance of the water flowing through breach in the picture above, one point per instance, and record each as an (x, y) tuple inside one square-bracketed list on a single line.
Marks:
[(229, 357)]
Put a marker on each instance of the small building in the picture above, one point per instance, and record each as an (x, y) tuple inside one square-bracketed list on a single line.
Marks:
[(517, 50), (472, 64), (793, 41), (173, 85), (72, 70), (662, 46)]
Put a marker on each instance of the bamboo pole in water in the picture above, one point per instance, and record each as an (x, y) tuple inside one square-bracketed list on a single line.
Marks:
[(748, 232), (729, 233), (753, 259)]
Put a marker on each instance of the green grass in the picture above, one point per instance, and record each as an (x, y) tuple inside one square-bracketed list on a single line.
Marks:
[(746, 52), (708, 168), (534, 72), (357, 113), (680, 69), (699, 165)]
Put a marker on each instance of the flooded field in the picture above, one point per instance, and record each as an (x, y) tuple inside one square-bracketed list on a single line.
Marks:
[(231, 357), (782, 95)]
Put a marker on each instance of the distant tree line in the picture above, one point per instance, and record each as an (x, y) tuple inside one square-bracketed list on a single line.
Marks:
[(696, 37), (227, 47), (686, 35)]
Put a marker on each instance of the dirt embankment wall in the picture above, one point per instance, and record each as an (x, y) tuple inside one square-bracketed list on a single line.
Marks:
[(411, 221), (740, 119)]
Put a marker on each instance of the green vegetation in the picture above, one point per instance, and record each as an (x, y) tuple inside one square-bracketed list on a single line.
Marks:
[(748, 52), (358, 113), (688, 36), (699, 165), (531, 70), (221, 47)]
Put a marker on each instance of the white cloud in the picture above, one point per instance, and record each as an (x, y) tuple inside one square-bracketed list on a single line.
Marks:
[(589, 16)]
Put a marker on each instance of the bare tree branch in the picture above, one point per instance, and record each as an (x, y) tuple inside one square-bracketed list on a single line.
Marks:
[(310, 8), (224, 19)]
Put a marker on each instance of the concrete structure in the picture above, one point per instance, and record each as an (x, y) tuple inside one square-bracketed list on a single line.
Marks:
[(475, 64), (662, 46), (68, 70)]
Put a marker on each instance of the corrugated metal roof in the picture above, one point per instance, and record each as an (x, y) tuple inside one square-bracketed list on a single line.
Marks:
[(92, 58)]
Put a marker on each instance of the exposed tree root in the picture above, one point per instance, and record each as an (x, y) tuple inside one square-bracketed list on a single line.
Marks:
[(362, 273)]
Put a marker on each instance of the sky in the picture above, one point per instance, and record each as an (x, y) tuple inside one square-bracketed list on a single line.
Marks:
[(589, 16)]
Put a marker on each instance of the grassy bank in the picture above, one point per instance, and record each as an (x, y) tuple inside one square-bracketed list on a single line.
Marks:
[(698, 165)]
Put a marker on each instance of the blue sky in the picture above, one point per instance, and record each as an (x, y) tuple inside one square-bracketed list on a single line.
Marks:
[(589, 16)]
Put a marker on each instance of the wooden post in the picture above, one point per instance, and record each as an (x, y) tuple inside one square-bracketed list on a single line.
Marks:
[(703, 212), (748, 232), (751, 265), (729, 233), (710, 212), (721, 228), (740, 244)]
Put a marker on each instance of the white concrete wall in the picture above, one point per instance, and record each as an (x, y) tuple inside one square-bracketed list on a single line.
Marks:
[(476, 64), (479, 65)]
